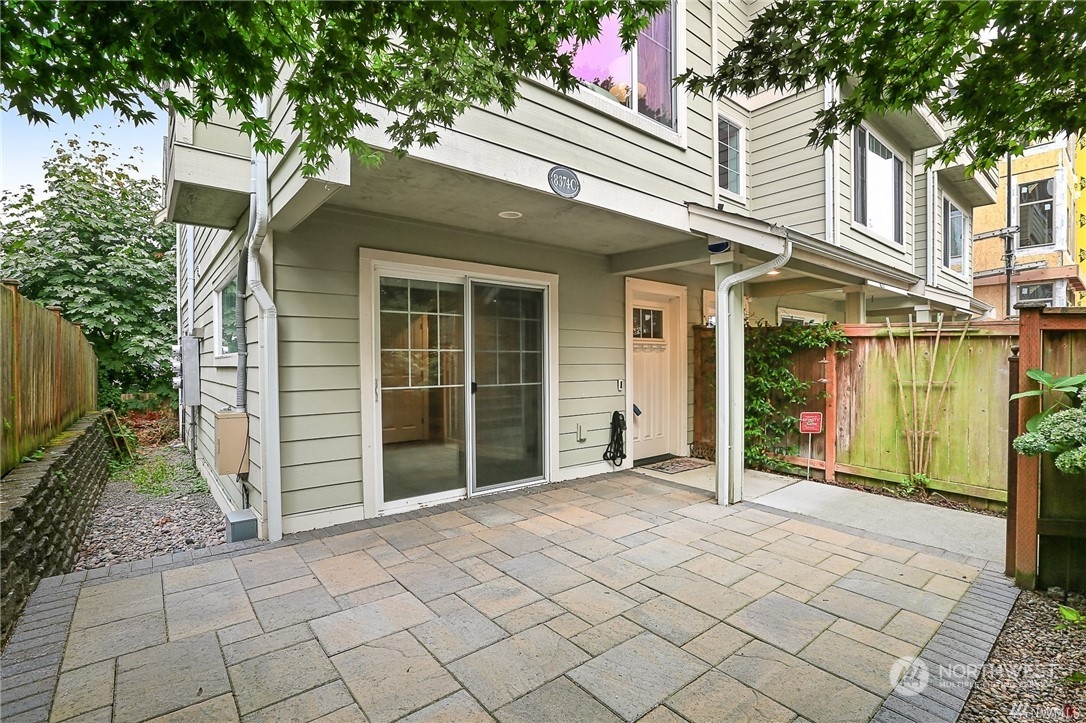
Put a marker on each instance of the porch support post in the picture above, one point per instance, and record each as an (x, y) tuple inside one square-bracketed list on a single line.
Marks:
[(729, 457), (855, 306)]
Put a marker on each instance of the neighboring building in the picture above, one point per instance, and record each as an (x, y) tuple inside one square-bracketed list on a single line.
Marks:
[(1079, 219), (1049, 250), (468, 318)]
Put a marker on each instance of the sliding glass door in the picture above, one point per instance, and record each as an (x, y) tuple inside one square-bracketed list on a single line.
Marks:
[(424, 450), (507, 359), (461, 389)]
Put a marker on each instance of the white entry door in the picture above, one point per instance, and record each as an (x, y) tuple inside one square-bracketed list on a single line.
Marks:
[(651, 419), (656, 368)]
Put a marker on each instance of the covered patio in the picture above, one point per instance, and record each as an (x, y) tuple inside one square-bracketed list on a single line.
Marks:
[(617, 597)]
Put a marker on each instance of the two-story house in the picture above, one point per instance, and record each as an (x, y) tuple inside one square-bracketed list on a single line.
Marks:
[(469, 318), (1048, 252)]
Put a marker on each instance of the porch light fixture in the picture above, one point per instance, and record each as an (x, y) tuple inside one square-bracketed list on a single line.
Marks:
[(510, 214), (774, 272)]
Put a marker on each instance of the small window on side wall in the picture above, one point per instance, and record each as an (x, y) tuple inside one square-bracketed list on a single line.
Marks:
[(730, 158), (954, 240), (226, 338)]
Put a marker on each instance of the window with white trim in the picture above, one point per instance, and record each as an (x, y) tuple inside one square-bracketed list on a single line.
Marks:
[(1035, 213), (798, 317), (730, 156), (954, 236), (878, 188), (639, 79), (226, 337), (1036, 292)]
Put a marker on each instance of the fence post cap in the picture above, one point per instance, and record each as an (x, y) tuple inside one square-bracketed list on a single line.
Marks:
[(1030, 305), (15, 283), (54, 307)]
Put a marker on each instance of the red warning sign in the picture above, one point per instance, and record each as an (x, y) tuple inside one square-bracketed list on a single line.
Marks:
[(810, 422)]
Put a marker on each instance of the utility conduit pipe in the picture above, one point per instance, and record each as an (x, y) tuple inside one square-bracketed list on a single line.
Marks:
[(726, 491)]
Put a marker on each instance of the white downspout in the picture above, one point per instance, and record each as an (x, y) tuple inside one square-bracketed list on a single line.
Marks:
[(930, 240), (269, 346), (727, 492), (829, 155)]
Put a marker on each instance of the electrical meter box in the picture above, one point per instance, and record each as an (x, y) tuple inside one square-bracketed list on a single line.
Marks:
[(190, 371), (231, 442)]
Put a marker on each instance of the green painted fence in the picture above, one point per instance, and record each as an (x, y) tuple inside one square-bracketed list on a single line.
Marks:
[(966, 428)]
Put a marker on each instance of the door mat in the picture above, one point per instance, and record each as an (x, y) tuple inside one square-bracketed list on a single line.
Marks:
[(679, 464)]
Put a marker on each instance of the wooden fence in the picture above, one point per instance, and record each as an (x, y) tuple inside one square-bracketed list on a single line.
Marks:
[(49, 375), (870, 422), (1047, 523)]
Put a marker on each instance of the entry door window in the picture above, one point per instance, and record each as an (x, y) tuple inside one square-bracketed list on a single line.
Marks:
[(424, 448), (508, 390)]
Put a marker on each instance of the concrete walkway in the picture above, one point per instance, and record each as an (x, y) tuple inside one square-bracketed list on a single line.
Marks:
[(967, 533), (619, 597), (974, 535)]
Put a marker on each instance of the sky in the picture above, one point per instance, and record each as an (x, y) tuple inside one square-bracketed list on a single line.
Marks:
[(23, 146)]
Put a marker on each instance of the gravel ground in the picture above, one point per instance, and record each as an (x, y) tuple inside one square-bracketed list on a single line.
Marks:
[(1024, 677), (154, 506)]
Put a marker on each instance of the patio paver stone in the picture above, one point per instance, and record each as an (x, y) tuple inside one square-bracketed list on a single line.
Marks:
[(620, 596)]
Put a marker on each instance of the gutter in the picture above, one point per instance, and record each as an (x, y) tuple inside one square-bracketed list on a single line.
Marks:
[(249, 272), (726, 491)]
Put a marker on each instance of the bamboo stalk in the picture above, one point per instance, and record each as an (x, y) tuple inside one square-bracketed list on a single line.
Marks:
[(949, 372), (925, 443), (916, 437), (901, 393)]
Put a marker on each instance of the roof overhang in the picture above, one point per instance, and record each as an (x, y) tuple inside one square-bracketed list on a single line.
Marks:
[(810, 255), (976, 189)]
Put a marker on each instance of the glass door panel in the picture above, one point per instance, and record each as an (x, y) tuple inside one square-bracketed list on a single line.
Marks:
[(507, 357), (424, 448)]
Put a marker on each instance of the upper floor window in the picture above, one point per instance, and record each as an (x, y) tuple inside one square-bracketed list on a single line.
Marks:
[(1035, 213), (878, 187), (1036, 292), (639, 79), (226, 336), (953, 236), (729, 164)]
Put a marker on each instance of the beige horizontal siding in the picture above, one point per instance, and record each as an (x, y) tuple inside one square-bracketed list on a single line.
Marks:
[(787, 175)]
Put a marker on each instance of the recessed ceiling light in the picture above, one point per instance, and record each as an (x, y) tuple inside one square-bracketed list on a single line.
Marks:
[(510, 214), (774, 272)]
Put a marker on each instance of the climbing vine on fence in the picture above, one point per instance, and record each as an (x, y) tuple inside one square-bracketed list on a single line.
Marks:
[(773, 389)]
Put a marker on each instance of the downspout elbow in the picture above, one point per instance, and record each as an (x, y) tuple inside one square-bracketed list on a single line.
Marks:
[(726, 493)]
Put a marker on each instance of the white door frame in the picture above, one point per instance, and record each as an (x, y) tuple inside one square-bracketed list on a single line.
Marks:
[(374, 263), (674, 297)]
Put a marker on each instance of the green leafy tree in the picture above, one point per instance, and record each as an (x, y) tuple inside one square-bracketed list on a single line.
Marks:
[(1002, 73), (424, 61), (90, 244)]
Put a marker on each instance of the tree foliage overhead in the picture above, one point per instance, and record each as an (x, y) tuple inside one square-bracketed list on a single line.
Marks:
[(90, 244), (1004, 72), (424, 61)]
